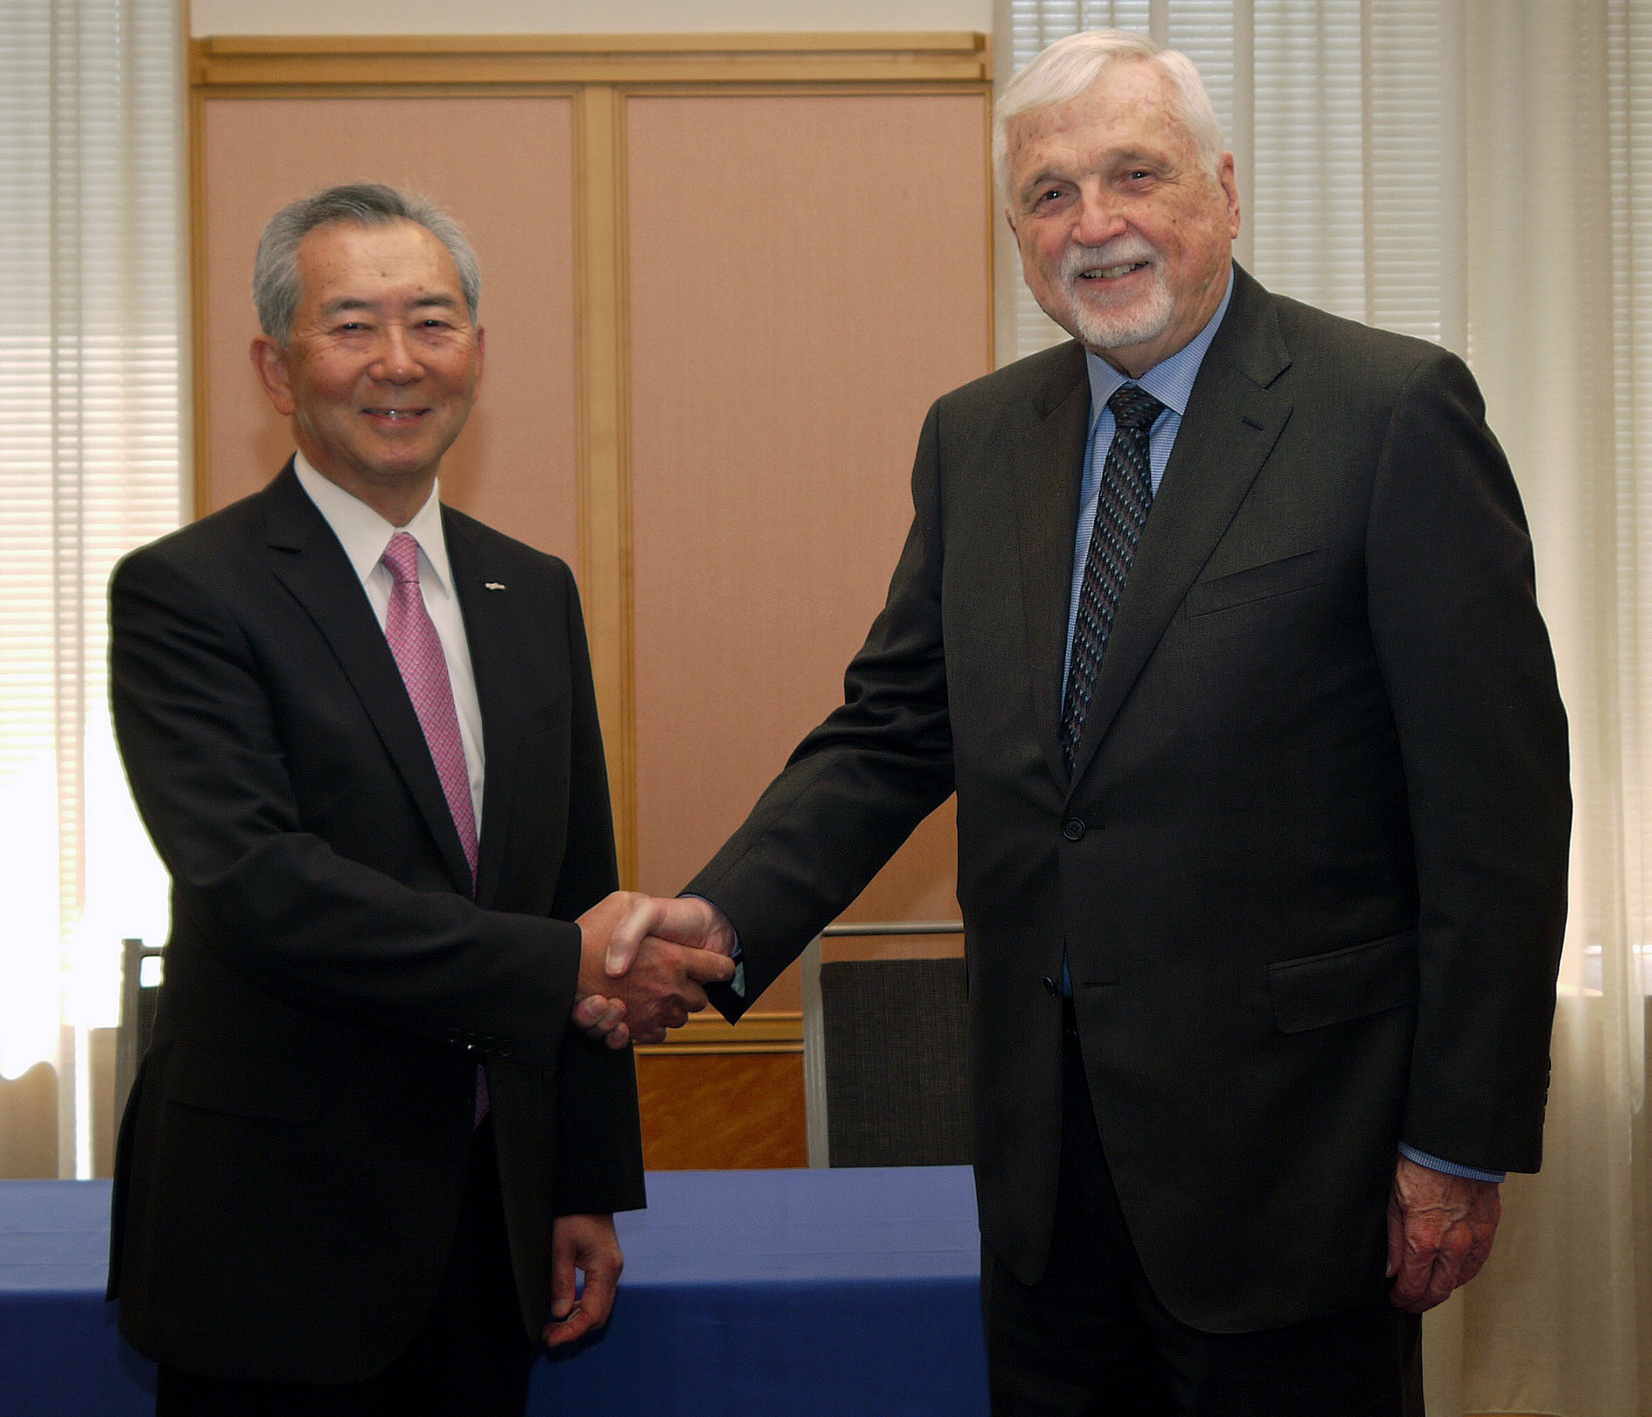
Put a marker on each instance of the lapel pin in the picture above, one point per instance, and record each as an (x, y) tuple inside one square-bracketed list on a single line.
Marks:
[(493, 585)]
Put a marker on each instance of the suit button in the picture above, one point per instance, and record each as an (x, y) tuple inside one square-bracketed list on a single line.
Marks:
[(1050, 986), (1073, 829)]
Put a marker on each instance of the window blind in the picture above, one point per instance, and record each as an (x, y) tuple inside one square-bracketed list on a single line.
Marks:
[(90, 459)]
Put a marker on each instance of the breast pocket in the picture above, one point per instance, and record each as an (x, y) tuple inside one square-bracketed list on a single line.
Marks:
[(1319, 990), (1264, 582)]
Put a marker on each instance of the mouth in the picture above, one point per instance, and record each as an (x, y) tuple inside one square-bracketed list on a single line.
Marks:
[(1111, 272), (396, 415)]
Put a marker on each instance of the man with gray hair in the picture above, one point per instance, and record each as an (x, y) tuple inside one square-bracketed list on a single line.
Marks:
[(366, 1154), (1220, 620)]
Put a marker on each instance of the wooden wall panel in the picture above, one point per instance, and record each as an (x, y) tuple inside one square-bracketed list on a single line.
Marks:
[(504, 166), (717, 1111), (716, 313), (806, 273)]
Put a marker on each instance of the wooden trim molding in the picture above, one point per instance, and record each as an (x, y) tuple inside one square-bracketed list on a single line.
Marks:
[(199, 373), (709, 1032), (351, 61), (603, 360)]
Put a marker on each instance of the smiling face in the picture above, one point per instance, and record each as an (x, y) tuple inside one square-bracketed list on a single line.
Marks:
[(1125, 234), (381, 367)]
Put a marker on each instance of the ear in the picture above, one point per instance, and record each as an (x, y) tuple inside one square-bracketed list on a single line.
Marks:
[(1009, 216), (1230, 185), (270, 360), (481, 349)]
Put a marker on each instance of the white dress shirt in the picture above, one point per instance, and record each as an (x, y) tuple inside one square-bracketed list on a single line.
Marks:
[(364, 534)]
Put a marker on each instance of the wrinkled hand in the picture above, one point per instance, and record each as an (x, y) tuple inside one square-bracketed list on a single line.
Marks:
[(586, 1243), (687, 920), (1440, 1231), (657, 985)]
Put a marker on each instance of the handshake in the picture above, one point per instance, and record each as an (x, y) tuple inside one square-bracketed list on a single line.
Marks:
[(645, 962)]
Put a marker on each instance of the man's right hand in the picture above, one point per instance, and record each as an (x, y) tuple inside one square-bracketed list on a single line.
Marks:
[(635, 983), (686, 919)]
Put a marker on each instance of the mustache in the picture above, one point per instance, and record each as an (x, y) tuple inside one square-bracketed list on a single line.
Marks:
[(1125, 251)]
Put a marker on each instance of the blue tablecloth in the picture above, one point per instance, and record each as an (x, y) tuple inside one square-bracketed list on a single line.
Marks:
[(746, 1294)]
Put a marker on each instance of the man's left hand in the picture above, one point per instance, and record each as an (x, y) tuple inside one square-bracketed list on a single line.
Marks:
[(1440, 1229), (586, 1243)]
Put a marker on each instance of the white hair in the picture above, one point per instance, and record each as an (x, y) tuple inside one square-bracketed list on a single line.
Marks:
[(1069, 66)]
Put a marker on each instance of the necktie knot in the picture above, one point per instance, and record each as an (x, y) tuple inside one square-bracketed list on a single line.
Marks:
[(401, 558), (1133, 407)]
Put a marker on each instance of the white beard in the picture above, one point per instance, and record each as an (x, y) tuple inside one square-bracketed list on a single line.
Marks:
[(1146, 319)]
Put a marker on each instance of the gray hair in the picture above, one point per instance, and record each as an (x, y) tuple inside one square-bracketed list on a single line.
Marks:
[(276, 286), (1069, 66)]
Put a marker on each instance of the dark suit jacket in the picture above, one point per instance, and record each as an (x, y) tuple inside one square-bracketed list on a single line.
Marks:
[(1311, 869), (292, 1158)]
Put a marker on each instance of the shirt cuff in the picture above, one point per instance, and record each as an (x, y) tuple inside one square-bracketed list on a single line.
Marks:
[(1450, 1168)]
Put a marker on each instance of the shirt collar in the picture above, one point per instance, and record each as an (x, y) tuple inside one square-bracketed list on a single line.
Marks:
[(364, 534), (1170, 381)]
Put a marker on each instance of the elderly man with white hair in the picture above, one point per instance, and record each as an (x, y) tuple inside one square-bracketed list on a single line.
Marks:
[(1220, 621)]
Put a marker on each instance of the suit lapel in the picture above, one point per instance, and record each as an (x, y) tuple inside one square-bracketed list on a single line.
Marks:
[(487, 614), (1046, 460), (312, 565), (1232, 422)]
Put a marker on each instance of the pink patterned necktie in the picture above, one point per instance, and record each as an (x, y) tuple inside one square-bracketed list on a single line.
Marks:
[(418, 651)]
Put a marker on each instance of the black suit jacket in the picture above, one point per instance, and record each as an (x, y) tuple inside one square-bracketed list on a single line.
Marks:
[(1310, 870), (292, 1157)]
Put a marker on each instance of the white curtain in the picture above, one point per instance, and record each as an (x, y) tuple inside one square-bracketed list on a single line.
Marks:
[(90, 449), (1479, 173)]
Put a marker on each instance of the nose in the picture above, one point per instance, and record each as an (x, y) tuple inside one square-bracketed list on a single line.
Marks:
[(396, 362), (1099, 217)]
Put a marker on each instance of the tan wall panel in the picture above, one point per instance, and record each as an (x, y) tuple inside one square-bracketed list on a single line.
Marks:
[(807, 273), (504, 168)]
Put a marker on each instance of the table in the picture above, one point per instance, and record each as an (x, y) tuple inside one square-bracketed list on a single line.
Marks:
[(746, 1294)]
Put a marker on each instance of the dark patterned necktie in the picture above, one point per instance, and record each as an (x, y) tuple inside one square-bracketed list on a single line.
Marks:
[(1122, 502)]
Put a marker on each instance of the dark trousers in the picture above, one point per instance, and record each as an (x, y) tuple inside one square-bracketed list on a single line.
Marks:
[(470, 1358), (1090, 1340)]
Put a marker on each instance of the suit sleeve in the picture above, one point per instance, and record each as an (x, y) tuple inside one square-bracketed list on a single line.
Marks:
[(1471, 680), (858, 785), (209, 773)]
